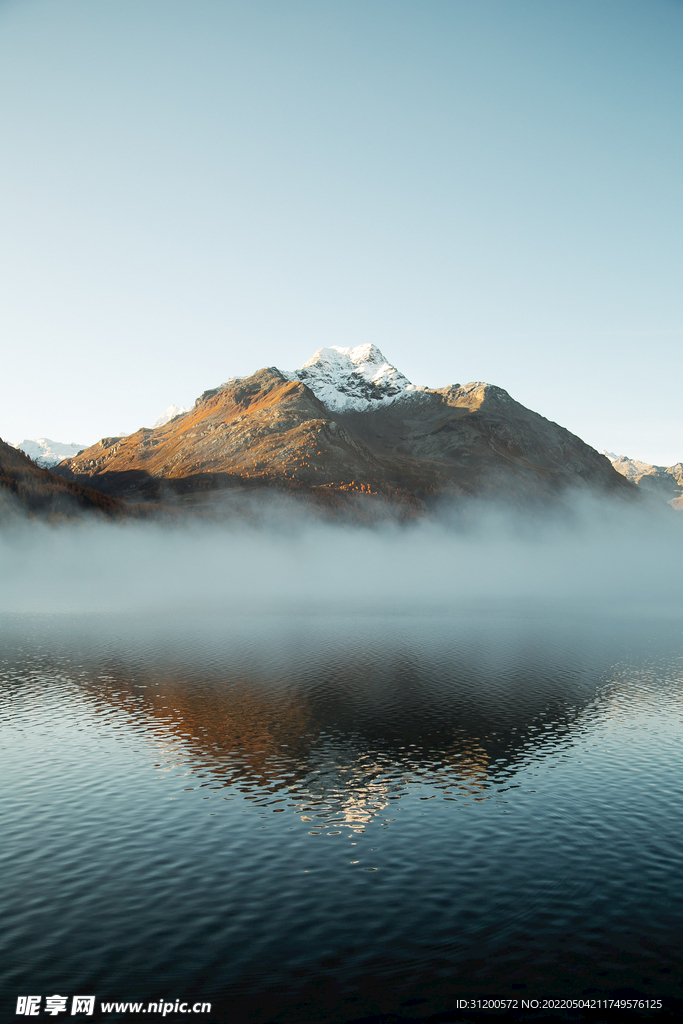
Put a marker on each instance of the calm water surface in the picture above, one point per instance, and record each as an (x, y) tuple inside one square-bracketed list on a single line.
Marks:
[(330, 818)]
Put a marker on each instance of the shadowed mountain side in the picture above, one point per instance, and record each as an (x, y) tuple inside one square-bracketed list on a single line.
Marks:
[(25, 488), (478, 439), (215, 496), (267, 430)]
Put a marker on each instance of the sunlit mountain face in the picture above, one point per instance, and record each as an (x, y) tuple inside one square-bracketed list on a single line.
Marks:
[(665, 482), (348, 426)]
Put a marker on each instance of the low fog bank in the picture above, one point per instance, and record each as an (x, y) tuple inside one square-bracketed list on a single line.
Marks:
[(598, 556)]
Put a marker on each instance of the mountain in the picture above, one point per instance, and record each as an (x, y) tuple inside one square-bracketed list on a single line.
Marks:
[(353, 379), (46, 453), (349, 423), (663, 481), (169, 414), (25, 488)]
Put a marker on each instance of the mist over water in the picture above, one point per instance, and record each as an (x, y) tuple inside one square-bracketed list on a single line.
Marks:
[(607, 553), (316, 772)]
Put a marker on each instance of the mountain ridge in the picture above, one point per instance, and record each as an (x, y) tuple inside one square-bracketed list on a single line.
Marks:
[(353, 424), (46, 453), (28, 489), (353, 379), (662, 481)]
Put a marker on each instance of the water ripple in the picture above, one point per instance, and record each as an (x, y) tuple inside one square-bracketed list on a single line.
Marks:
[(261, 810)]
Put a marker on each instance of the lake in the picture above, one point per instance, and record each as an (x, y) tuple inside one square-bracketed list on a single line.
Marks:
[(319, 817)]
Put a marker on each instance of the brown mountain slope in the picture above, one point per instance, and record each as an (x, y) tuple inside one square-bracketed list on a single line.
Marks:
[(477, 439), (259, 430), (267, 430), (26, 488)]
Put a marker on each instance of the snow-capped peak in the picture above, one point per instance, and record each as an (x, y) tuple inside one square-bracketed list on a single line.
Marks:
[(168, 415), (358, 379), (48, 453)]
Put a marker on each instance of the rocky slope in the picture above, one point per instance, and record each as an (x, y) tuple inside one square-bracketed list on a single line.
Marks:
[(348, 423), (663, 481), (25, 488)]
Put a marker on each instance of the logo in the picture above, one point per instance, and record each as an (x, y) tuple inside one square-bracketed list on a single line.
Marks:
[(29, 1006)]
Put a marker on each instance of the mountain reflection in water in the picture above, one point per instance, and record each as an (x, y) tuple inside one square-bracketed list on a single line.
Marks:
[(336, 725), (317, 719)]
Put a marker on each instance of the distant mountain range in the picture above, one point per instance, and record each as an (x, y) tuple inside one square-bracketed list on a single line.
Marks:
[(664, 481), (46, 453), (25, 488), (347, 424)]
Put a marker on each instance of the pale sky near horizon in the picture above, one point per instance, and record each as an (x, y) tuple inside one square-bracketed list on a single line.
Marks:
[(485, 189)]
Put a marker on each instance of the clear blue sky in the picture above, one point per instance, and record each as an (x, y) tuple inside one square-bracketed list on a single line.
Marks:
[(486, 189)]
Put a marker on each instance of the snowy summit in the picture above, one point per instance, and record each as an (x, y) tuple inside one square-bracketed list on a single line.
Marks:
[(46, 453), (353, 379), (168, 415)]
